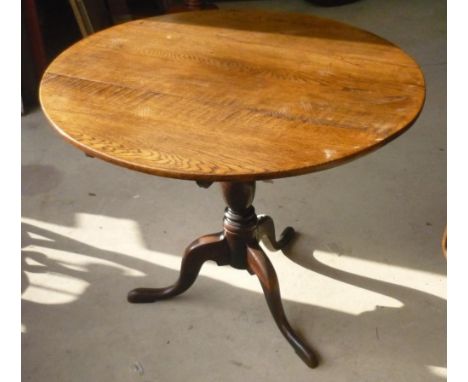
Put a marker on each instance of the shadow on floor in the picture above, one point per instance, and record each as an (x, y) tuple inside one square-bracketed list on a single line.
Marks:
[(363, 217), (99, 333)]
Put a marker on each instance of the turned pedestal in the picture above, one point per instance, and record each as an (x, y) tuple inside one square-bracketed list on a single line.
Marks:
[(232, 96), (238, 246)]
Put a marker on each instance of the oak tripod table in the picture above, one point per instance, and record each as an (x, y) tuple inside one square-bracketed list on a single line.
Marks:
[(232, 97)]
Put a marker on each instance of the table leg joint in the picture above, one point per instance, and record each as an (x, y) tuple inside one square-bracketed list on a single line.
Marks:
[(238, 246)]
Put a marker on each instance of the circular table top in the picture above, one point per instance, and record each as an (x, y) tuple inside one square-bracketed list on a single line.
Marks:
[(231, 95)]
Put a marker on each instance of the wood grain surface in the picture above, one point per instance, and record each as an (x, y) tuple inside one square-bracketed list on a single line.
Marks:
[(231, 95)]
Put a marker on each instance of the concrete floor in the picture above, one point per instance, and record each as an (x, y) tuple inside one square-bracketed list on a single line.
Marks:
[(365, 282)]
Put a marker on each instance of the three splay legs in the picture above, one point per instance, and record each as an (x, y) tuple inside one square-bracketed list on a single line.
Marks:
[(238, 246)]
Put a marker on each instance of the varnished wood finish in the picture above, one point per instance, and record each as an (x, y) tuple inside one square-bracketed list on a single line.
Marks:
[(240, 220), (231, 95), (209, 247), (266, 227), (237, 246), (259, 264)]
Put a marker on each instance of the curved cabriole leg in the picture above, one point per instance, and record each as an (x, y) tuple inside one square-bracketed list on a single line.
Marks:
[(259, 264), (266, 227), (209, 247)]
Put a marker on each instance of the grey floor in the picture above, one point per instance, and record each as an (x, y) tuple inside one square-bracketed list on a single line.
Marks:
[(365, 282)]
